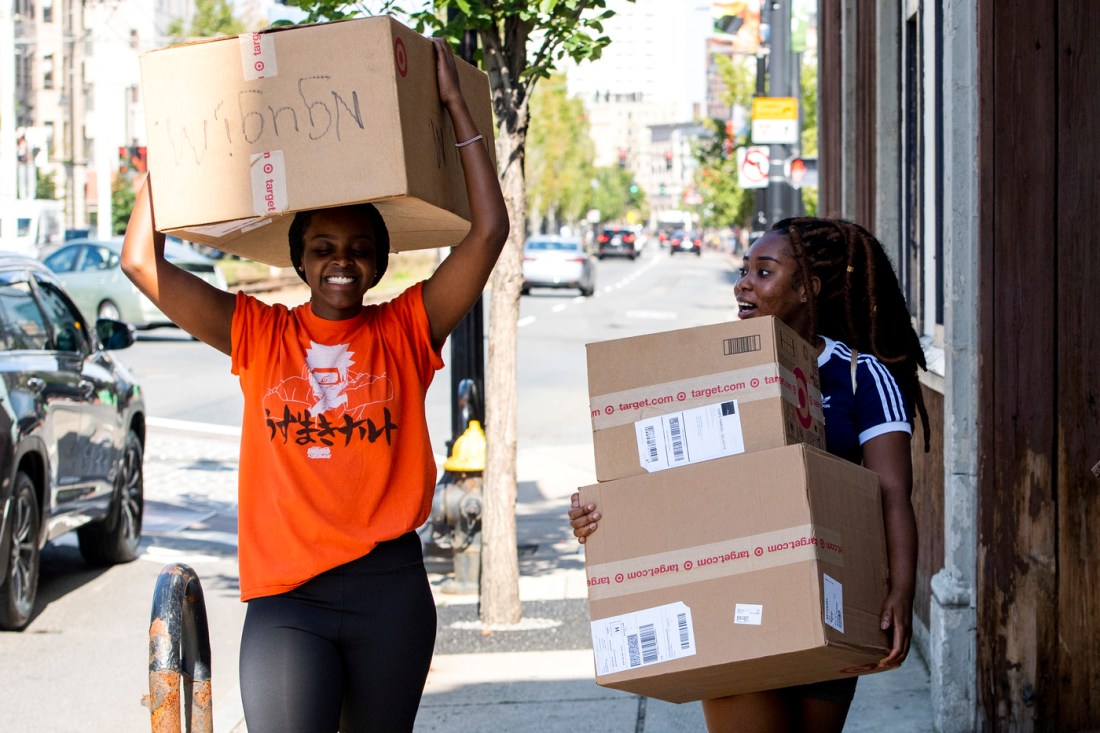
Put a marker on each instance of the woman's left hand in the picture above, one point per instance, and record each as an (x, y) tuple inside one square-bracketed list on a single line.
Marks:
[(897, 614)]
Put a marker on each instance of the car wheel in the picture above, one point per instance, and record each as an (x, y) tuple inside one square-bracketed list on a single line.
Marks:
[(116, 539), (20, 588), (107, 309), (525, 290), (588, 290)]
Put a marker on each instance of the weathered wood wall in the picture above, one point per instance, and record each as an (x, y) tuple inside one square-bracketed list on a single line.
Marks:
[(1039, 508), (928, 502), (1074, 232)]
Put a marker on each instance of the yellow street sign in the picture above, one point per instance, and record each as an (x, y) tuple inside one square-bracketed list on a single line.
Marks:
[(774, 108)]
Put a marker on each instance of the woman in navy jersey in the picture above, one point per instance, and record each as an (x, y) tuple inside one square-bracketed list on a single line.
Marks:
[(831, 281)]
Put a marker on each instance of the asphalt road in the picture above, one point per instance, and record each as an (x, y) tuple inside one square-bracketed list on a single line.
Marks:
[(82, 664)]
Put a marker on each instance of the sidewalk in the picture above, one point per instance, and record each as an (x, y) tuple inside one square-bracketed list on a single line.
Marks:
[(539, 676)]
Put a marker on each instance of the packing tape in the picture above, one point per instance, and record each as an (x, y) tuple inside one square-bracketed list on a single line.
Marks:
[(715, 560), (268, 183), (258, 55), (759, 382)]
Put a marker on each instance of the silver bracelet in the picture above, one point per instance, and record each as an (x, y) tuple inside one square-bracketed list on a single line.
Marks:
[(474, 139)]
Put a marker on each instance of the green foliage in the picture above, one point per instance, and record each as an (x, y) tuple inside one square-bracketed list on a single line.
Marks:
[(122, 202), (727, 204), (808, 82), (559, 154), (45, 185), (610, 194), (212, 18)]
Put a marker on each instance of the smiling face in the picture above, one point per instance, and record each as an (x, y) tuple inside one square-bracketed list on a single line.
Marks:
[(771, 284), (338, 260)]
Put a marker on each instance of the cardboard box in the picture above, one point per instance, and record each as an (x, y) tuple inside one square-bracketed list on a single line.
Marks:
[(746, 573), (244, 131), (679, 397)]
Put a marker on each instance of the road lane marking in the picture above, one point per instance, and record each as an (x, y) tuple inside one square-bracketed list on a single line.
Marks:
[(525, 321), (165, 423)]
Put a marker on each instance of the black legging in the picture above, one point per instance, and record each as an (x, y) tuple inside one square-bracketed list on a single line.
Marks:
[(348, 650)]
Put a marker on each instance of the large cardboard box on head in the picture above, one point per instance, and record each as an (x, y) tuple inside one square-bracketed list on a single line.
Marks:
[(245, 131), (678, 397), (746, 573)]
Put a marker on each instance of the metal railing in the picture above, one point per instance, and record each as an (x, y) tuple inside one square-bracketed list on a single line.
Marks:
[(179, 654)]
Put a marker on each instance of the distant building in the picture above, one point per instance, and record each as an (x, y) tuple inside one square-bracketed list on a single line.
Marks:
[(75, 95), (645, 91)]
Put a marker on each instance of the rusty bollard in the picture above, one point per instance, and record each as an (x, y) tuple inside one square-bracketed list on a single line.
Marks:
[(179, 654)]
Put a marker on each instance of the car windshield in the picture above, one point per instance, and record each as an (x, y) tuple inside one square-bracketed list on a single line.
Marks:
[(551, 246)]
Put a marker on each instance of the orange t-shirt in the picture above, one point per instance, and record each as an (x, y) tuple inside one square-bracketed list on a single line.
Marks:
[(335, 452)]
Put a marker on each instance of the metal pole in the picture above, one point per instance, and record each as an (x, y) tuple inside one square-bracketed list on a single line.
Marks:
[(467, 340), (779, 192), (179, 654)]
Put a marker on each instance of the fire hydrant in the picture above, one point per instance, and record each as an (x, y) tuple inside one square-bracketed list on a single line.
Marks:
[(456, 509)]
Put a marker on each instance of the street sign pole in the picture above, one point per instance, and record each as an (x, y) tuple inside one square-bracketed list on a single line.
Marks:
[(780, 195), (467, 340)]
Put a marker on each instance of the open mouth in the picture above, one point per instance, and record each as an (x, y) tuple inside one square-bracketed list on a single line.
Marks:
[(745, 309)]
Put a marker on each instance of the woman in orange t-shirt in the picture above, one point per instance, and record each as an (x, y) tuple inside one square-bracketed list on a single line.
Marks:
[(336, 468)]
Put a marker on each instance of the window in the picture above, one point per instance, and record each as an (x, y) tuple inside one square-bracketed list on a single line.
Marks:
[(68, 327), (922, 211), (22, 326), (47, 11), (47, 71), (63, 260)]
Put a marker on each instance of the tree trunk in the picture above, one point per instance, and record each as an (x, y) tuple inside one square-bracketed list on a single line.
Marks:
[(499, 558)]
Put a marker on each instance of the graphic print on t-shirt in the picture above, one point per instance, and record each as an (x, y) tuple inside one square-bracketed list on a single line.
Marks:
[(329, 404)]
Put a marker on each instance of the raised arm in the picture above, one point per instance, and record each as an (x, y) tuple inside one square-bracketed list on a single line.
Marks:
[(458, 281), (194, 305)]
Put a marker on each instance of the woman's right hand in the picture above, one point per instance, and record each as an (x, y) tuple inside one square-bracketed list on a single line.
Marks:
[(583, 518)]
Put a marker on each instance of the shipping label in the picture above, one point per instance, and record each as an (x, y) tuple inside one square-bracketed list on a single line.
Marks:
[(834, 602), (258, 56), (637, 639), (716, 560), (751, 614), (268, 183), (690, 436), (760, 382)]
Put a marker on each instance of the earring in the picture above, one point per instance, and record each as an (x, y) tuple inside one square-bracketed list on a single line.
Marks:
[(804, 299)]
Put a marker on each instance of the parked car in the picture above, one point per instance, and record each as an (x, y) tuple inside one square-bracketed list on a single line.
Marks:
[(91, 272), (557, 262), (72, 422), (616, 242), (682, 241)]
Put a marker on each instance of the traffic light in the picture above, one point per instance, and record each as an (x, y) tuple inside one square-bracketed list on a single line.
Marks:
[(802, 172), (622, 159)]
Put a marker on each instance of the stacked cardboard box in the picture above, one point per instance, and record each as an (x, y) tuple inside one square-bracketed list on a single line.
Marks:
[(245, 131), (736, 570)]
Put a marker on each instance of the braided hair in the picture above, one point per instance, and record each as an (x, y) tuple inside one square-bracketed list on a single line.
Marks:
[(860, 301)]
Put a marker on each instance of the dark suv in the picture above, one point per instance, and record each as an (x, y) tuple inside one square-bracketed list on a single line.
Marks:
[(72, 432), (616, 242)]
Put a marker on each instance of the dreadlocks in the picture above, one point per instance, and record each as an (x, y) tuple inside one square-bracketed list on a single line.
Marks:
[(860, 301)]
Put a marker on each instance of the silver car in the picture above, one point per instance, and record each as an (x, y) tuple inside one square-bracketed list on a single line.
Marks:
[(557, 262), (91, 272)]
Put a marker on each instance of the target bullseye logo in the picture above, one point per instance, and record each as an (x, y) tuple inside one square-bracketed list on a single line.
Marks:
[(804, 417), (400, 57)]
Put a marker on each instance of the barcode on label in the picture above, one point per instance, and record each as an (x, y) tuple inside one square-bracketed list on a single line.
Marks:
[(632, 650), (741, 345), (682, 624), (649, 643), (651, 443), (676, 432)]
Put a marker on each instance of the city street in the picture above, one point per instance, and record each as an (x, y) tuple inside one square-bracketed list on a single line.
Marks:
[(82, 664)]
